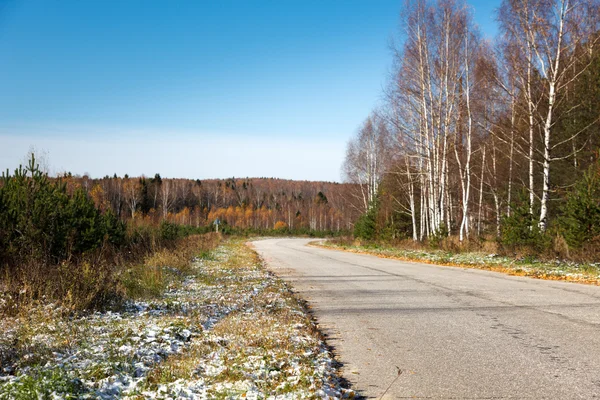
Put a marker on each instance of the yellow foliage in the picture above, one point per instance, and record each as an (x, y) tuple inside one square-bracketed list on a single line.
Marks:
[(280, 225)]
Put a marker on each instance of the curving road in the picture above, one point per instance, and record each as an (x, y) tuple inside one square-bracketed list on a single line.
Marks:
[(454, 333)]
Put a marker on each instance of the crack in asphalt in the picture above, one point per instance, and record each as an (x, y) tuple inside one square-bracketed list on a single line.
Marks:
[(450, 292), (500, 317)]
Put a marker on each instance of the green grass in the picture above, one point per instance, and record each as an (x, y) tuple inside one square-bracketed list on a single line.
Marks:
[(43, 384)]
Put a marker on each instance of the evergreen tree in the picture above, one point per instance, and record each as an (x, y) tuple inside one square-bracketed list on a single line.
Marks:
[(580, 222), (366, 226), (40, 221)]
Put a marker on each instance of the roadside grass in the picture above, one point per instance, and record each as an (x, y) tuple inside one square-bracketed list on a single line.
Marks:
[(203, 320), (529, 266), (165, 266), (266, 346), (46, 381), (143, 281)]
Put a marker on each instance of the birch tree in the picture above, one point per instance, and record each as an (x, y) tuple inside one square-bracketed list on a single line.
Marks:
[(132, 191), (549, 33), (367, 157), (166, 196), (434, 86)]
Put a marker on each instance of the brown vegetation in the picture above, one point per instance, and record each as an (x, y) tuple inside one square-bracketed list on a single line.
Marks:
[(248, 203), (104, 278)]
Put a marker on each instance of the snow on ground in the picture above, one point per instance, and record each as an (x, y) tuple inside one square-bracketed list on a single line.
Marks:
[(557, 269), (228, 330)]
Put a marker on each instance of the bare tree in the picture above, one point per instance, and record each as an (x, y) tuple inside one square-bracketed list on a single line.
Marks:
[(432, 92), (166, 196), (132, 194), (367, 156)]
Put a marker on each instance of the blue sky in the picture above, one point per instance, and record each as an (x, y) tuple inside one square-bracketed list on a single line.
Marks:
[(193, 89)]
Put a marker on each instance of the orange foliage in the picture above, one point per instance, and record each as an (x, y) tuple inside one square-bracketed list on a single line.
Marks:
[(99, 198), (280, 226)]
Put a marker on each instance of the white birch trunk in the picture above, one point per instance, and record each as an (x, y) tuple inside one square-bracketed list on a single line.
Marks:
[(480, 193)]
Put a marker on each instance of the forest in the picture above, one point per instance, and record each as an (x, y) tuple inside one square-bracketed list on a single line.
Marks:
[(481, 139), (246, 204), (32, 207)]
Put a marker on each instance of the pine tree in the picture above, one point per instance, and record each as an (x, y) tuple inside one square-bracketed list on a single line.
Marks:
[(580, 222)]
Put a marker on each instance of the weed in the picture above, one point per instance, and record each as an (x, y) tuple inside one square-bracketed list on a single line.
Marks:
[(143, 281), (206, 255)]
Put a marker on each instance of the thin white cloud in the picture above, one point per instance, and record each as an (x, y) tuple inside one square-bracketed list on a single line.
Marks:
[(181, 156)]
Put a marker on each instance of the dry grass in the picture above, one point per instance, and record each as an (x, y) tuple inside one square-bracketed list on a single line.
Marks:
[(179, 256), (168, 258), (588, 251), (151, 278), (179, 366), (143, 281), (30, 326), (556, 248), (267, 344), (76, 285), (521, 264), (101, 279), (229, 329)]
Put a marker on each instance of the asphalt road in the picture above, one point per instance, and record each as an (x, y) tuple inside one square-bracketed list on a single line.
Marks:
[(454, 333)]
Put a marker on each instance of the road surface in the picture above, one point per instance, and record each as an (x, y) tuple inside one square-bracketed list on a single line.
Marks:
[(454, 333)]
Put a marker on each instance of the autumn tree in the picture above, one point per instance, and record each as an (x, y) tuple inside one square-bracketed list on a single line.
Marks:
[(132, 192), (367, 156), (557, 39)]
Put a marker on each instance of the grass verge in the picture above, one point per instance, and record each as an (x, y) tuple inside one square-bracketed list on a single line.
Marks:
[(588, 273), (216, 326)]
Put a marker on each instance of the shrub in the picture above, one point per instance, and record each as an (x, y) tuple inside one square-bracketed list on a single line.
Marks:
[(169, 231), (521, 229), (439, 236), (280, 226), (55, 245)]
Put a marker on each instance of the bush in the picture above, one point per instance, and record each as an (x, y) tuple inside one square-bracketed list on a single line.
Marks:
[(54, 245), (439, 236), (580, 220), (169, 231), (280, 226)]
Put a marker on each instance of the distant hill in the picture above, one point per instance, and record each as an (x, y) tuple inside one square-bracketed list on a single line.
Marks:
[(256, 203)]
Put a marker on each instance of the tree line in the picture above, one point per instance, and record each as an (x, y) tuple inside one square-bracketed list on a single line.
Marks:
[(481, 137), (241, 203)]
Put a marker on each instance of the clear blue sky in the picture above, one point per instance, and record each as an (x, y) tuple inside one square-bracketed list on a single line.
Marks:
[(194, 89)]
